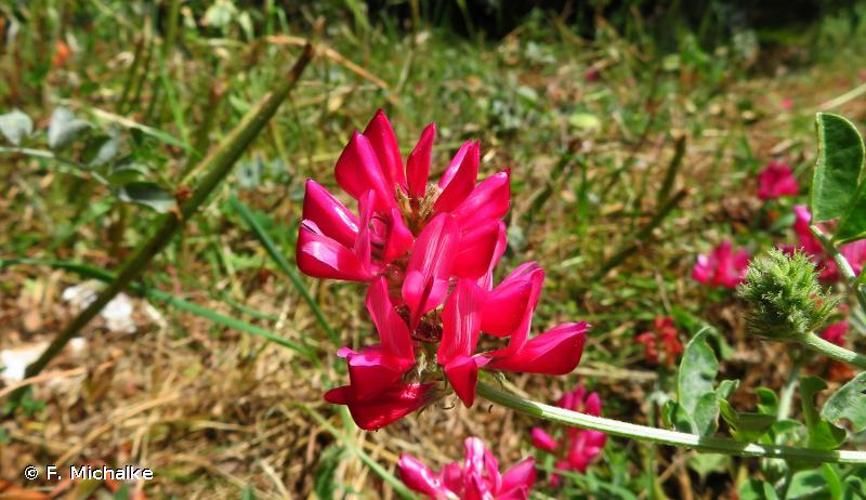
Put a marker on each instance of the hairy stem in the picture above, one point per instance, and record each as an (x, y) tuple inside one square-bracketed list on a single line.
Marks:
[(706, 444), (834, 351)]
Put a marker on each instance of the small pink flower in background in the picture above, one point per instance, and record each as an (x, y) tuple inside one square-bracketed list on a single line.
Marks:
[(664, 334), (592, 74), (787, 104), (477, 478), (854, 253), (723, 267), (578, 447), (427, 253), (777, 180)]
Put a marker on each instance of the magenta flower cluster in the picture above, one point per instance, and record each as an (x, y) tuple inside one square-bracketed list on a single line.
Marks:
[(427, 252), (478, 478)]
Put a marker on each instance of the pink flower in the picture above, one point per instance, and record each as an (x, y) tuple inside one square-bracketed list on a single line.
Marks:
[(428, 252), (777, 180), (854, 253), (477, 478), (723, 267), (836, 332), (395, 206), (578, 448)]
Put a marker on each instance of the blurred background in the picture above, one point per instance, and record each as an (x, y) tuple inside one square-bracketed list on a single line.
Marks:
[(634, 131)]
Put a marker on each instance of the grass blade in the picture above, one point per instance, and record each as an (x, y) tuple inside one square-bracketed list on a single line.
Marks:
[(382, 472), (281, 262)]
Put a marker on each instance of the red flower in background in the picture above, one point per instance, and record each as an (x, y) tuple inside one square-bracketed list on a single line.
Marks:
[(578, 447), (723, 267), (836, 332), (428, 252), (663, 339), (777, 180), (477, 478), (837, 371), (62, 52)]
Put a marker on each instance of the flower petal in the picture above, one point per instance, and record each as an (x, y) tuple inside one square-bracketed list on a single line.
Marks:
[(462, 373), (478, 250), (427, 273), (372, 372), (393, 332), (418, 164), (399, 239), (381, 135), (329, 214), (555, 352), (358, 171), (387, 407), (322, 257), (488, 202), (518, 480), (461, 322), (542, 440), (418, 477), (509, 307), (459, 179)]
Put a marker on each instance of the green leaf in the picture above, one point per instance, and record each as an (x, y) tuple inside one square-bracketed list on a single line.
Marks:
[(706, 463), (852, 225), (854, 489), (149, 194), (100, 149), (768, 401), (808, 484), (15, 126), (64, 128), (695, 381), (837, 170), (126, 173), (747, 427), (848, 403), (675, 416), (834, 482), (755, 489), (822, 434)]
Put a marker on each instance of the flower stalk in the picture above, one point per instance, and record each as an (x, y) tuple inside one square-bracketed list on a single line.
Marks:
[(833, 351), (216, 166), (704, 444)]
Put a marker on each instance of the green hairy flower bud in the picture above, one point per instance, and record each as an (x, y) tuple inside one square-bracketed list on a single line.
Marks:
[(787, 301)]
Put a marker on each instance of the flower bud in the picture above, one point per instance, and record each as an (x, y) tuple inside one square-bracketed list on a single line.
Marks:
[(786, 299)]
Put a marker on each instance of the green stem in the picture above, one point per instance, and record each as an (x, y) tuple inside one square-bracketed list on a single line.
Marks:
[(842, 264), (706, 444), (217, 165), (834, 351)]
